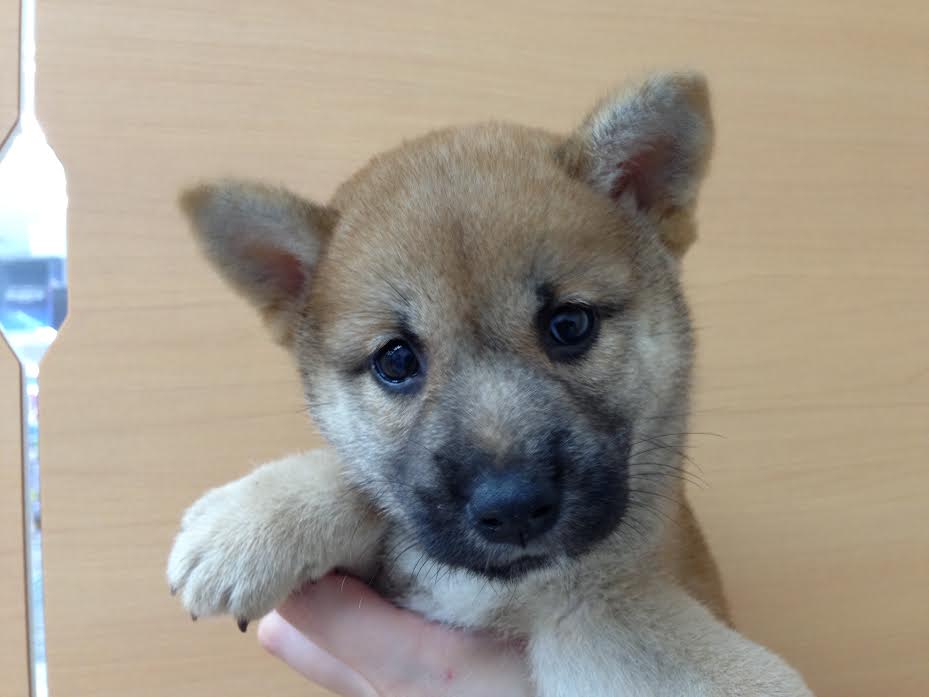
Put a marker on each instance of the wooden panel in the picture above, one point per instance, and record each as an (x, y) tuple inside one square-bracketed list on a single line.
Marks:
[(13, 660), (13, 666), (809, 288), (9, 65)]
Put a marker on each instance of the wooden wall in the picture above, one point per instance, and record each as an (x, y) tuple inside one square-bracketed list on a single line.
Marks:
[(809, 286)]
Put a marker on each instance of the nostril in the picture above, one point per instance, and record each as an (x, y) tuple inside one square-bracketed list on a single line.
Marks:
[(511, 508), (541, 512), (491, 522)]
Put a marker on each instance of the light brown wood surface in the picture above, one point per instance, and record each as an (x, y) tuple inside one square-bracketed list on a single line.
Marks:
[(15, 681), (809, 287), (9, 65)]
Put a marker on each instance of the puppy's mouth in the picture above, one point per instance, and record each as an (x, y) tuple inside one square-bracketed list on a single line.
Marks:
[(506, 524), (514, 569), (494, 562)]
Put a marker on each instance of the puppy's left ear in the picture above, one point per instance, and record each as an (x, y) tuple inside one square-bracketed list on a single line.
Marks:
[(647, 149)]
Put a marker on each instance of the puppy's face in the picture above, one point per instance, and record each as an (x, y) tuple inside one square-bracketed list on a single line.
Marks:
[(488, 321)]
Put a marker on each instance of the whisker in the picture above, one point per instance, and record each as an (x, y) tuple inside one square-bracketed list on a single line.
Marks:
[(660, 478), (669, 470), (666, 448), (633, 524), (659, 495), (654, 511), (669, 448), (687, 433)]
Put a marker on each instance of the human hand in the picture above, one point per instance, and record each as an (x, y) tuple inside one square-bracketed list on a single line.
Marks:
[(343, 636)]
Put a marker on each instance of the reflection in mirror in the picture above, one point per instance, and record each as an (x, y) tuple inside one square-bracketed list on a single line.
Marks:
[(33, 285), (33, 304)]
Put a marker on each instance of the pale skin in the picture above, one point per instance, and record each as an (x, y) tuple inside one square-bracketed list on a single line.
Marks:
[(340, 634)]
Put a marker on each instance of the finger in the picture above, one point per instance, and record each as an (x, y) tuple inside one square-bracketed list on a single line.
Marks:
[(355, 624), (385, 644), (399, 652), (282, 640)]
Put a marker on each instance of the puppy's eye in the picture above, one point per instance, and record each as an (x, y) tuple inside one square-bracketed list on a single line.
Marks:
[(571, 325), (396, 363), (570, 330)]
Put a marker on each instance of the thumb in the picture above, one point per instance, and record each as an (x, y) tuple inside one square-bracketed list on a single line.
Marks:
[(362, 630), (340, 631), (281, 639)]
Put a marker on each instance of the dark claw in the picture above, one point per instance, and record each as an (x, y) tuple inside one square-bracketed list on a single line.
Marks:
[(243, 624), (173, 590), (193, 617)]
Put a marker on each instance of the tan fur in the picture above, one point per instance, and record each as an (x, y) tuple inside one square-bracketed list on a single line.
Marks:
[(689, 561), (456, 236)]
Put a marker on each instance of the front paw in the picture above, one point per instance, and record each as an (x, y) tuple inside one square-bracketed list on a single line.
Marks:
[(236, 555)]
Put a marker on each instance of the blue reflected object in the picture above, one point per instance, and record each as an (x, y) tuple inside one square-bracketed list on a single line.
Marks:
[(33, 293)]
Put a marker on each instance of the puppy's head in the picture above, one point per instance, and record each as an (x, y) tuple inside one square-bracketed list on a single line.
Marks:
[(488, 320)]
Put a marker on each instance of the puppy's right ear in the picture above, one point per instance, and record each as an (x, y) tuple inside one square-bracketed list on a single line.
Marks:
[(265, 242)]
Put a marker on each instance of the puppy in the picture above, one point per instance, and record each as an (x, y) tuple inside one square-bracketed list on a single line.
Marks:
[(491, 334)]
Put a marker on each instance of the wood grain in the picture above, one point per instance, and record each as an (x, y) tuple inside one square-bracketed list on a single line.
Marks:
[(809, 289), (9, 65), (13, 666)]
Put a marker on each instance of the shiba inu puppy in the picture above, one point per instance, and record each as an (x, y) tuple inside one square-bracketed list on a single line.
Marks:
[(491, 333)]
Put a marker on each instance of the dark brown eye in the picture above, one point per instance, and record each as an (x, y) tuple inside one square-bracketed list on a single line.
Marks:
[(570, 330), (396, 363)]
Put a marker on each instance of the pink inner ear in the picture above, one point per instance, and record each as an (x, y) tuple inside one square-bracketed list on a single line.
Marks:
[(277, 268), (645, 174)]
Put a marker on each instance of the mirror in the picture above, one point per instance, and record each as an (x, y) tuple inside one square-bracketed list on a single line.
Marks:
[(33, 281), (33, 305)]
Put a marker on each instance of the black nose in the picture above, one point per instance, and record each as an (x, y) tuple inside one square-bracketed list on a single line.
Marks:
[(512, 508)]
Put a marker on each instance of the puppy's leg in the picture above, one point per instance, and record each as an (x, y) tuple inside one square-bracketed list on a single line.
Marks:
[(660, 644), (244, 546)]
